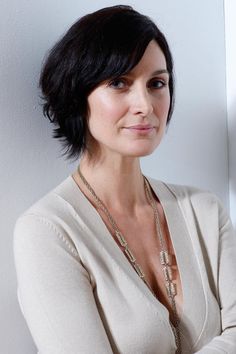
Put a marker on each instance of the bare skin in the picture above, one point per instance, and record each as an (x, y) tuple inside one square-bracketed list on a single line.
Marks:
[(111, 164)]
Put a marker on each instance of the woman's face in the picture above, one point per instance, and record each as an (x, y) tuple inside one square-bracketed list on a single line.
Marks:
[(127, 116)]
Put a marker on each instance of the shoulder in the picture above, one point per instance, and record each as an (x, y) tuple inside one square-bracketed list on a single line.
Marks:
[(59, 201), (182, 192), (192, 194), (48, 218), (202, 203)]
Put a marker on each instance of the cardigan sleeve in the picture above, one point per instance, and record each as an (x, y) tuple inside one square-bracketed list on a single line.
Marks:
[(54, 291), (226, 342)]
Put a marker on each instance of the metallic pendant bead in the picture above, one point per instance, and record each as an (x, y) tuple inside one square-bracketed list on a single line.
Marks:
[(167, 273), (171, 289), (164, 258), (139, 270), (121, 239), (130, 255)]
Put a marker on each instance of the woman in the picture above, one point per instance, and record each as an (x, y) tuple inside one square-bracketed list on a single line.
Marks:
[(111, 261)]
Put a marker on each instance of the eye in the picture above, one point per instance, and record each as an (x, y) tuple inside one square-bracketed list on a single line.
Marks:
[(117, 84), (157, 83)]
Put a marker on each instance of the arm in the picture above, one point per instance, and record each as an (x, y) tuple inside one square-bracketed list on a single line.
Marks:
[(54, 291), (226, 342)]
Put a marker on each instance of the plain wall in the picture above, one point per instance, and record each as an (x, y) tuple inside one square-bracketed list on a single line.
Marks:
[(193, 152), (230, 32)]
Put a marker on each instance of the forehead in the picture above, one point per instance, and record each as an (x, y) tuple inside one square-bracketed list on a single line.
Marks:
[(152, 60)]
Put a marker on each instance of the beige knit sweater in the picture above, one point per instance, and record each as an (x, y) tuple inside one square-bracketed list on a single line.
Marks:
[(80, 295)]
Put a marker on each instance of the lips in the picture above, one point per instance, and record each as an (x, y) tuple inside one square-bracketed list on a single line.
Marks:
[(140, 127)]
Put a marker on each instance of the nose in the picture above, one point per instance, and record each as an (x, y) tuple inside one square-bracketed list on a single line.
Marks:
[(141, 102)]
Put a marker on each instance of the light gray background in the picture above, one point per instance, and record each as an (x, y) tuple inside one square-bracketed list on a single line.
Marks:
[(230, 31), (194, 151)]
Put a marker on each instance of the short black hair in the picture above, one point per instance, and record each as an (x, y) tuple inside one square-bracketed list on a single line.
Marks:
[(99, 46)]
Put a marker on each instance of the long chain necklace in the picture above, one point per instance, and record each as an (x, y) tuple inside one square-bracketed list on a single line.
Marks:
[(165, 260), (164, 255)]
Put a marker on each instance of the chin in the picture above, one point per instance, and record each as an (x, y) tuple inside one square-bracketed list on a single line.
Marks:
[(142, 149), (140, 152)]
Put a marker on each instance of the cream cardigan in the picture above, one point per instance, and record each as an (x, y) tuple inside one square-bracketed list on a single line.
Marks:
[(79, 293)]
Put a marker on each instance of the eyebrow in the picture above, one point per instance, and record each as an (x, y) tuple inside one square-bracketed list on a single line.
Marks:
[(161, 71), (156, 72)]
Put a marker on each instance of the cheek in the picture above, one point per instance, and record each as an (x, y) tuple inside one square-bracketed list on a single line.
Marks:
[(164, 105), (104, 109)]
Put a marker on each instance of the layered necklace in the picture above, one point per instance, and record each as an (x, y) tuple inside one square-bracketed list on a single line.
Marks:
[(165, 257)]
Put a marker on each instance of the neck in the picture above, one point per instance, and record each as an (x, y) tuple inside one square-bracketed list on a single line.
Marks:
[(119, 184)]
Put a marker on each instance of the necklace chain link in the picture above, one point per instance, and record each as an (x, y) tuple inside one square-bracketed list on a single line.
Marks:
[(164, 255)]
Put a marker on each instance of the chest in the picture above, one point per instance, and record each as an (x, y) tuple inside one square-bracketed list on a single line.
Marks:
[(133, 319), (143, 241), (125, 302), (131, 315)]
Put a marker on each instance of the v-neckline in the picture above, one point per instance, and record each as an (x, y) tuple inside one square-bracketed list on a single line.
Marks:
[(176, 227)]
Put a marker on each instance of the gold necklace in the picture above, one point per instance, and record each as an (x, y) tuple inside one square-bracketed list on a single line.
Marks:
[(164, 255), (165, 260)]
